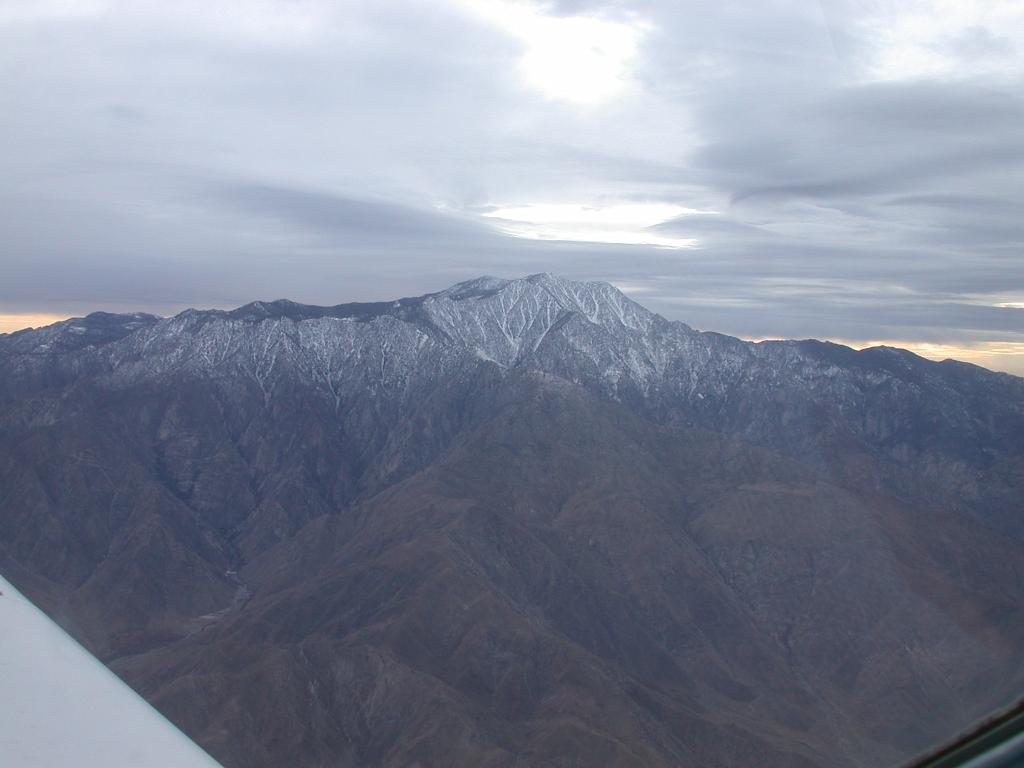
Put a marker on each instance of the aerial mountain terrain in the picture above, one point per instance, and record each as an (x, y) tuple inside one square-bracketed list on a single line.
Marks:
[(518, 523)]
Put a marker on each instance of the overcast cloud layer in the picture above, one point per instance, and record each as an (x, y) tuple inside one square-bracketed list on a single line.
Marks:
[(849, 169)]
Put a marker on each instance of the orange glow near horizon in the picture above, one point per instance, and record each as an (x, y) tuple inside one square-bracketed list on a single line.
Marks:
[(1007, 356), (9, 323)]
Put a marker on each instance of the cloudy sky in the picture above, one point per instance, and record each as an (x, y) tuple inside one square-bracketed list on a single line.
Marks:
[(843, 169)]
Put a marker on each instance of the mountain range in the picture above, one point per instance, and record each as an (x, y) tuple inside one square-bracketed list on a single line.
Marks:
[(518, 523)]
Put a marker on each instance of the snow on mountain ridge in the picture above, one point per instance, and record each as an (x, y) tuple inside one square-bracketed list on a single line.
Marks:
[(586, 332)]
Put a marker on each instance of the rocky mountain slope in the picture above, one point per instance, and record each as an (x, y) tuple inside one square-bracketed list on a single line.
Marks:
[(518, 522)]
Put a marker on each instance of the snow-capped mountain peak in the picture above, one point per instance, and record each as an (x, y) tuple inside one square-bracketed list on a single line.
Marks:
[(503, 320)]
